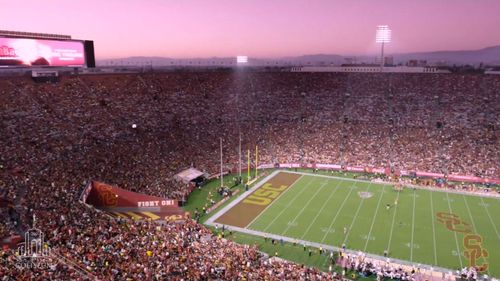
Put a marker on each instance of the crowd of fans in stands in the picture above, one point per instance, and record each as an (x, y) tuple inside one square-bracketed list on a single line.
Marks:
[(56, 137)]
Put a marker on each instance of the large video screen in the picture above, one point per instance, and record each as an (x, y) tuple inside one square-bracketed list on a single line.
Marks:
[(38, 52)]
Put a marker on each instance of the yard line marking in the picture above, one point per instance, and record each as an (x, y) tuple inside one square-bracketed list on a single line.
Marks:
[(275, 200), (412, 226), (470, 214), (338, 212), (321, 210), (489, 216), (355, 216), (373, 221), (433, 231), (289, 204), (305, 206), (455, 233), (392, 226)]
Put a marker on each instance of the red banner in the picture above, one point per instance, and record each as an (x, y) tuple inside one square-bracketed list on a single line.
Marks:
[(105, 196)]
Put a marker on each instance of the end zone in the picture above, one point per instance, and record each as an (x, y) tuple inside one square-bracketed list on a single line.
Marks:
[(252, 203)]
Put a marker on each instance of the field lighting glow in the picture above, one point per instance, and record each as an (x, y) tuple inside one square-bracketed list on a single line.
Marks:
[(383, 34), (241, 59)]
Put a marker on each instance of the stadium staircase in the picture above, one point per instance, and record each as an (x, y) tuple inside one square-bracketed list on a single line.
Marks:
[(143, 82), (87, 275), (84, 84)]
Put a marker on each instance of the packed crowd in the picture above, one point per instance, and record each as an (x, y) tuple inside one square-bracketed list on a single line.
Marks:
[(114, 249), (137, 131)]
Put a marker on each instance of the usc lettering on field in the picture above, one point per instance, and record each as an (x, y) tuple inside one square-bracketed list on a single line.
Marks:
[(472, 242), (265, 195), (249, 208)]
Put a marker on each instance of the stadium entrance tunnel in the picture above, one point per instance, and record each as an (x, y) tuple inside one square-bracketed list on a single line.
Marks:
[(123, 203)]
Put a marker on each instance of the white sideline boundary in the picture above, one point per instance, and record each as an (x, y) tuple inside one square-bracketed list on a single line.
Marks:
[(381, 259), (483, 195), (425, 267)]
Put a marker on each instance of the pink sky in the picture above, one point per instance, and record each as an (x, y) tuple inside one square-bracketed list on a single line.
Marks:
[(258, 28)]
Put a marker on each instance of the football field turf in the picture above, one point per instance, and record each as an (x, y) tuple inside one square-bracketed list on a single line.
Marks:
[(444, 229)]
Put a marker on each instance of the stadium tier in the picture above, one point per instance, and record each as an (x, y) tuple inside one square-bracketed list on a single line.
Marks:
[(137, 131)]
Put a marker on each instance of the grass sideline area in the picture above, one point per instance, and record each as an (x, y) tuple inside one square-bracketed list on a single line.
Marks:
[(200, 196)]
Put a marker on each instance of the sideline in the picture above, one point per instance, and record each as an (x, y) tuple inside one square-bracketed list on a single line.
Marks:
[(425, 268), (478, 194)]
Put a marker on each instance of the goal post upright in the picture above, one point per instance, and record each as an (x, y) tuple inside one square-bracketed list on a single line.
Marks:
[(221, 174), (248, 165), (256, 159), (239, 156)]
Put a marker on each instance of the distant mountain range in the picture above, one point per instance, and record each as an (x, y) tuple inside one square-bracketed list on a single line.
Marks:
[(488, 56)]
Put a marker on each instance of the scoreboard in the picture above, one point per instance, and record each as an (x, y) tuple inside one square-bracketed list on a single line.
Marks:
[(28, 52)]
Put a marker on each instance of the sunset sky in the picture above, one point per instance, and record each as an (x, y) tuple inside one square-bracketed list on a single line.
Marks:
[(258, 28)]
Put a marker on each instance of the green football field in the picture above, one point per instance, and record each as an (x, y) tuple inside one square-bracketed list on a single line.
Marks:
[(445, 229)]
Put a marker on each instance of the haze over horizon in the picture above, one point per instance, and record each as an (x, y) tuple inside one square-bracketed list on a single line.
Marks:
[(258, 28)]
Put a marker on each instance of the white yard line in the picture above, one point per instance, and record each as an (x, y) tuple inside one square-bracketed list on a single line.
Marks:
[(305, 206), (433, 231), (455, 233), (470, 214), (412, 226), (489, 216), (392, 226), (321, 210), (355, 216), (374, 218), (338, 212), (276, 199), (377, 259), (289, 204)]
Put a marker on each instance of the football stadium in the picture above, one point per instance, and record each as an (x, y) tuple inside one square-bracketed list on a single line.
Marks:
[(190, 165)]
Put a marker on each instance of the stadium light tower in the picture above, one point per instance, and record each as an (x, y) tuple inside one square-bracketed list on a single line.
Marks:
[(383, 36)]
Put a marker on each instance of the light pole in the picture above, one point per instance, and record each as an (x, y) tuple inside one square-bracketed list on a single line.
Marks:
[(383, 36)]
